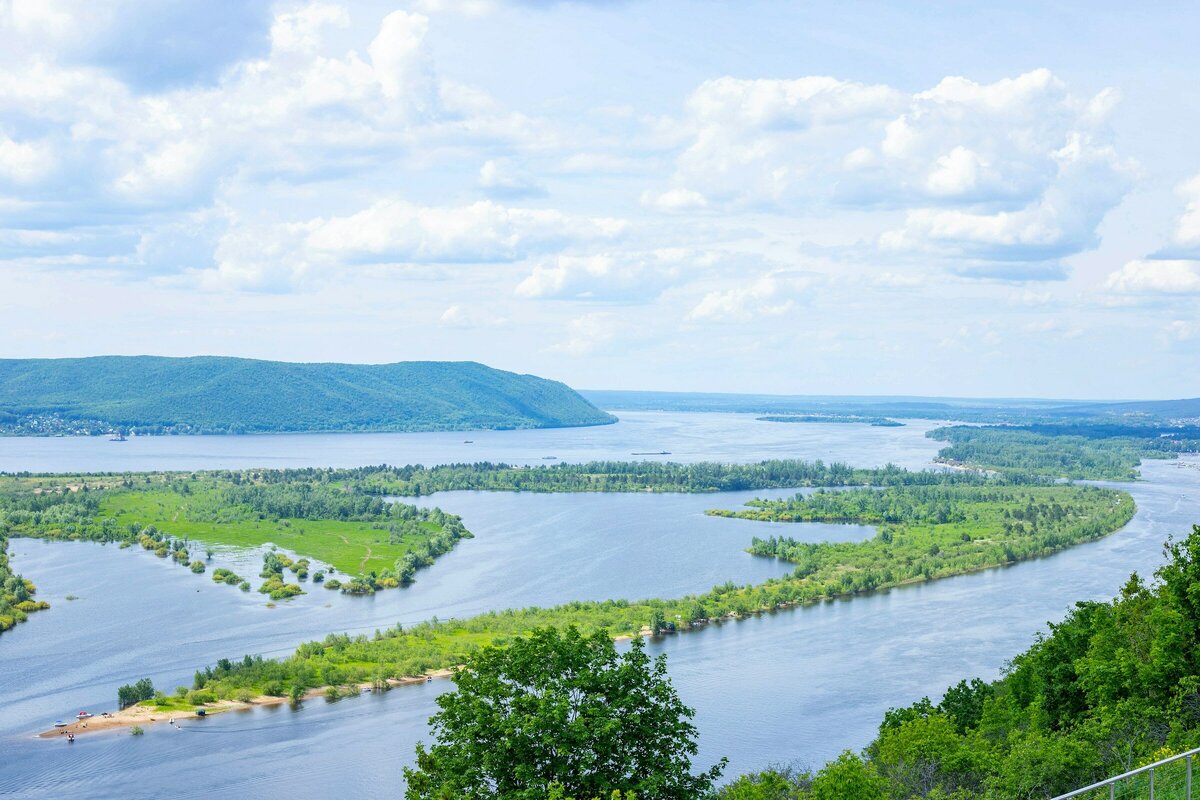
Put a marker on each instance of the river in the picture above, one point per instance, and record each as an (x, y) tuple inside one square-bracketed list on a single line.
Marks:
[(794, 686)]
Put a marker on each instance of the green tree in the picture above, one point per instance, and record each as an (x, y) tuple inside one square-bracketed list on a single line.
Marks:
[(848, 777), (558, 708)]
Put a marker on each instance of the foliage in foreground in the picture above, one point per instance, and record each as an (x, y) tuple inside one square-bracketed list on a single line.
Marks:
[(1113, 686), (564, 710)]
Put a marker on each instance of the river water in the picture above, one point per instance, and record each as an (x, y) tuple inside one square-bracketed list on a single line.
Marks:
[(794, 686)]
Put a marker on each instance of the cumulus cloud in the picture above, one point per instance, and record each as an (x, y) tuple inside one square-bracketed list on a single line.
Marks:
[(147, 44), (1185, 238), (1156, 276), (500, 178), (460, 316), (589, 334), (1019, 170), (394, 232), (769, 295), (674, 200), (24, 162), (630, 277)]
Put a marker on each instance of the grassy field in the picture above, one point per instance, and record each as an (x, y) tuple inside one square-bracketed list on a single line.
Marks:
[(351, 547)]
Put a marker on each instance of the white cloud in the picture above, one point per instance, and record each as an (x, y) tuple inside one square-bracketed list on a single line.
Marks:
[(399, 57), (502, 179), (1181, 330), (674, 200), (395, 230), (1019, 170), (769, 295), (632, 277), (589, 334), (302, 29), (1186, 236), (459, 316), (24, 162), (1156, 276)]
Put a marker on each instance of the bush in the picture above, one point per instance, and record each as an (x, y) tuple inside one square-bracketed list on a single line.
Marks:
[(136, 730), (197, 567)]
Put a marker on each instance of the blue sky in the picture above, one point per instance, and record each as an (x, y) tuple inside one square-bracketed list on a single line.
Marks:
[(868, 198)]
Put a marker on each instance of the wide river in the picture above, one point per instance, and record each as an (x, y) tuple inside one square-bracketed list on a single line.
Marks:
[(793, 686)]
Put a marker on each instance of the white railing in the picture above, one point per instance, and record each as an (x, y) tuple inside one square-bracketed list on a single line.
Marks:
[(1141, 782)]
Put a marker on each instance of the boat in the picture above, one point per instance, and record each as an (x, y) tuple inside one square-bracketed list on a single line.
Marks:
[(85, 715), (655, 453), (549, 458), (119, 436), (468, 441), (58, 723)]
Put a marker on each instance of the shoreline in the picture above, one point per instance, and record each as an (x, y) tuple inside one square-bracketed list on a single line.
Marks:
[(147, 715)]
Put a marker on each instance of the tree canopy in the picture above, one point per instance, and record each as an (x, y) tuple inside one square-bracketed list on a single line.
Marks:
[(564, 711)]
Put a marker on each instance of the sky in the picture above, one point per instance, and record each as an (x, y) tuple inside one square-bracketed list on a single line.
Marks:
[(955, 199)]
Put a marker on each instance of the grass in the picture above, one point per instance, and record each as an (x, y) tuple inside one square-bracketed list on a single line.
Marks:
[(351, 547)]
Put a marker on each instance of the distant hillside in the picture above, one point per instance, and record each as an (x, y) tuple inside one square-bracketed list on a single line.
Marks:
[(209, 394), (1164, 409), (1011, 410)]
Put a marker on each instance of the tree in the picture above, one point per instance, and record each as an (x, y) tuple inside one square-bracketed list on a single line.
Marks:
[(848, 777), (565, 710)]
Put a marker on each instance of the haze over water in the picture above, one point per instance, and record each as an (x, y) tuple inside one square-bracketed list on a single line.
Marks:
[(797, 685)]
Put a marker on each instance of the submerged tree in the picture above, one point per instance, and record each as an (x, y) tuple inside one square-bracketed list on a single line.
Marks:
[(564, 710)]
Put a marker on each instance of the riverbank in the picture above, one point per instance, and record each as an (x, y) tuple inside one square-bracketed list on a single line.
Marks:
[(139, 715)]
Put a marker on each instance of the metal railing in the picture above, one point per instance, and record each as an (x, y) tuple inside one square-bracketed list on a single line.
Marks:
[(1174, 782)]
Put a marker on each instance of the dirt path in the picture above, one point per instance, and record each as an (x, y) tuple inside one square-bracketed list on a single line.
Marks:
[(362, 565)]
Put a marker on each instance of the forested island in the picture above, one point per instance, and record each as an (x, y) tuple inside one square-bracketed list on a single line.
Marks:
[(372, 543), (213, 395), (1094, 450), (988, 522), (877, 422), (348, 519)]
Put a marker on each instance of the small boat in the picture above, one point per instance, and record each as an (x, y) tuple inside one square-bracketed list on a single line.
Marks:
[(468, 441), (58, 723), (655, 453), (549, 458), (119, 436), (85, 715)]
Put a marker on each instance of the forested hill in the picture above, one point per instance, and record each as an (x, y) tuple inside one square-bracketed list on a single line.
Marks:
[(208, 394)]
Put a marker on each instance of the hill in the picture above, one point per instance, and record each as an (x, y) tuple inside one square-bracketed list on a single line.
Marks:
[(209, 394), (1008, 410)]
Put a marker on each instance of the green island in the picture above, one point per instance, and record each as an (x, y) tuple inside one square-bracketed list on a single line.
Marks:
[(877, 422), (1093, 451), (1042, 519), (374, 543), (347, 519)]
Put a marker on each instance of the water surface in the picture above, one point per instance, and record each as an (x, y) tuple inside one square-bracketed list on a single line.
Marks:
[(797, 685)]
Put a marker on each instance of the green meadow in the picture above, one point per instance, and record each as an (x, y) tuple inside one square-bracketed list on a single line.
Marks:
[(351, 546)]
